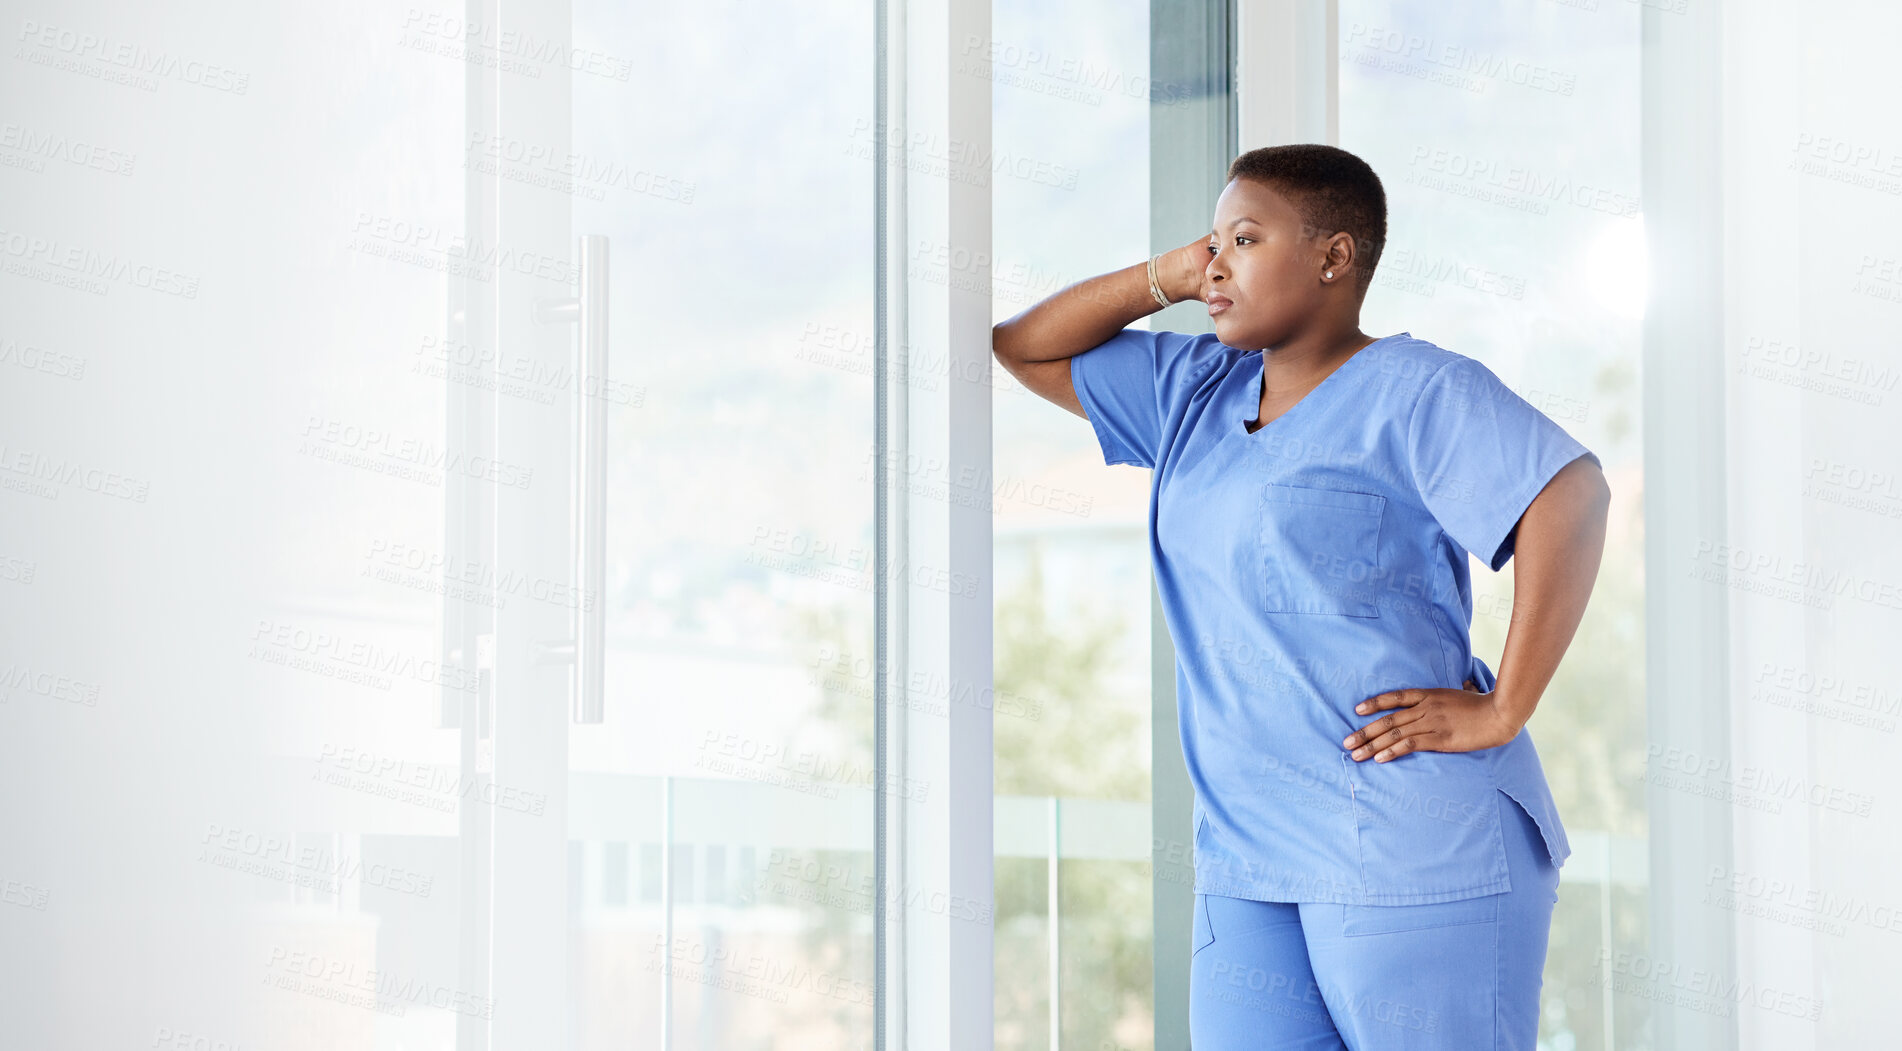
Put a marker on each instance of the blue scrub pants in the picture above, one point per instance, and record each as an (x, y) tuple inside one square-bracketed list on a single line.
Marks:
[(1320, 976)]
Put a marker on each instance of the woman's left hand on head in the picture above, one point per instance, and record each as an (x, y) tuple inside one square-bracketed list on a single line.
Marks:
[(1430, 719)]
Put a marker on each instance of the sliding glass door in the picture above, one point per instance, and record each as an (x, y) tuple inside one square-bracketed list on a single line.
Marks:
[(455, 627), (720, 839)]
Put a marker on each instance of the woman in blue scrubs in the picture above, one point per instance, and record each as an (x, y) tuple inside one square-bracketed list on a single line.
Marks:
[(1376, 849)]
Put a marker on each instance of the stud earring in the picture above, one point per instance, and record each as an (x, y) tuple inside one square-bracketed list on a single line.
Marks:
[(1330, 273)]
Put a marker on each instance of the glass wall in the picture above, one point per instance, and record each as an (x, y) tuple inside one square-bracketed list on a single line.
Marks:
[(1071, 101), (1507, 138), (721, 844), (314, 405), (296, 526)]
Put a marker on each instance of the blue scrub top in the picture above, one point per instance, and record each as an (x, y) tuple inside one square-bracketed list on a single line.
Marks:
[(1311, 565)]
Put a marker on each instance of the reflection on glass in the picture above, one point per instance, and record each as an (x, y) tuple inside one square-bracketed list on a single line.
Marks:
[(722, 813), (1507, 139), (1070, 188)]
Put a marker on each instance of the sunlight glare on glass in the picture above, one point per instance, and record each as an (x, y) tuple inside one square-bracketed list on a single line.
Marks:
[(1615, 268)]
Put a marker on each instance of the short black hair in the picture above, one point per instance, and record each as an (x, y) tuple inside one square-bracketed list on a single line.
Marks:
[(1330, 188)]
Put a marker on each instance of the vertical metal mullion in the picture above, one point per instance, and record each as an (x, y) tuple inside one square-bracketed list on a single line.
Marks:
[(1056, 928), (1685, 451), (937, 988), (1287, 73), (1687, 627), (667, 911), (1605, 977), (891, 415), (969, 806), (881, 547), (470, 516)]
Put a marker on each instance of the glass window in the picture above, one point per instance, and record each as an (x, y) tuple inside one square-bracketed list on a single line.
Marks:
[(1507, 140), (1071, 100)]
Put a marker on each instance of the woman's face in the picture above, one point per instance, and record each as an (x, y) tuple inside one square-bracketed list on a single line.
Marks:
[(1268, 265)]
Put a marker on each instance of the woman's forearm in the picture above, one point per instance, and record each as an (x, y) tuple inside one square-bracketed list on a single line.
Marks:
[(1086, 314), (1555, 562)]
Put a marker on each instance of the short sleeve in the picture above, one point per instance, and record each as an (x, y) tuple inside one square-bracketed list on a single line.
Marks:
[(1132, 383), (1479, 454)]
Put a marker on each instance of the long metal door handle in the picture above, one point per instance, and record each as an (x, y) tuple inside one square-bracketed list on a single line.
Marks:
[(588, 482), (591, 481)]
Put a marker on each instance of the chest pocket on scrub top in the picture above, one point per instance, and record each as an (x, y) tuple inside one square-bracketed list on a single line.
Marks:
[(1320, 550)]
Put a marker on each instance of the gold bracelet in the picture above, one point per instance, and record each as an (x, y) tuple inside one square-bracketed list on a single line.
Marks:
[(1155, 286)]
